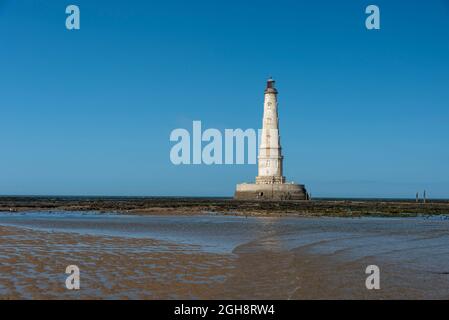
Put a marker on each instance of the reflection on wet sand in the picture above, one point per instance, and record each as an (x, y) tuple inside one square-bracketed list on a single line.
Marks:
[(215, 257)]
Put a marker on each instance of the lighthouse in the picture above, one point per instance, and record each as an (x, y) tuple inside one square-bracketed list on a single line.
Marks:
[(270, 154), (270, 181)]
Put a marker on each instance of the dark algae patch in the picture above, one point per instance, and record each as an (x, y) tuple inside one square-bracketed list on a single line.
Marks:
[(186, 206)]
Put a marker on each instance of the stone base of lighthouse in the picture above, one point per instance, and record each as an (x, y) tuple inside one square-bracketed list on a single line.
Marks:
[(272, 191)]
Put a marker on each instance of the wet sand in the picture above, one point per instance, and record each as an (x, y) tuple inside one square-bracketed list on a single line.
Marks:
[(221, 257)]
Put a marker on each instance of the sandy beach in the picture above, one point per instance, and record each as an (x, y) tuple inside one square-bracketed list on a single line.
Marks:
[(221, 257)]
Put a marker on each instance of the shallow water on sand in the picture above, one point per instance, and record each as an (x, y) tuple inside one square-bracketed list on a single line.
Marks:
[(123, 256)]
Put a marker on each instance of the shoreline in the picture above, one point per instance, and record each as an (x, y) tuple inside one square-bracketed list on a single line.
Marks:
[(224, 206)]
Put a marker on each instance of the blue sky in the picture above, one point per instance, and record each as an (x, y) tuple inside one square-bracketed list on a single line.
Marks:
[(89, 112)]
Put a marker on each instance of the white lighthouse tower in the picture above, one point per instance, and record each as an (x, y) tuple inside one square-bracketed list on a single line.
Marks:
[(270, 154), (270, 182)]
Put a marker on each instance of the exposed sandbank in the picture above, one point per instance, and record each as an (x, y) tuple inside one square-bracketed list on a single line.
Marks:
[(264, 258)]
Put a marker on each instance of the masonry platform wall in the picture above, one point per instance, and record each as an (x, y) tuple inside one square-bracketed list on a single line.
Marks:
[(283, 191)]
